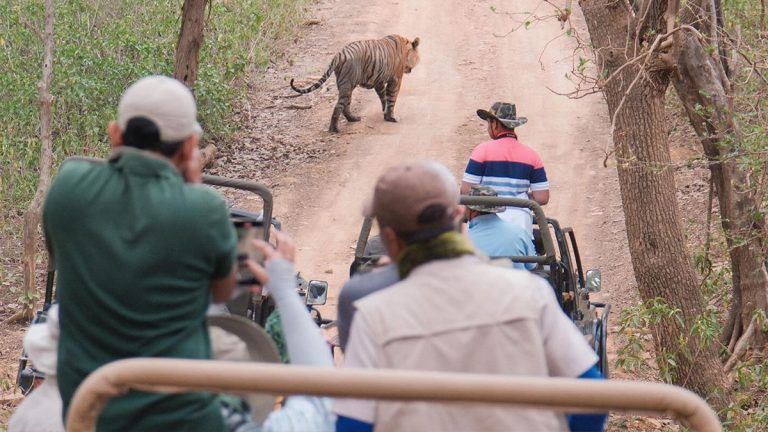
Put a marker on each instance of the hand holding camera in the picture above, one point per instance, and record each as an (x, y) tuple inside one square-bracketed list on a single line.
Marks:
[(285, 250), (247, 280)]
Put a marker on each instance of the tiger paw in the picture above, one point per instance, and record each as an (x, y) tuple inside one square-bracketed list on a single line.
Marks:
[(390, 118), (352, 118), (333, 128)]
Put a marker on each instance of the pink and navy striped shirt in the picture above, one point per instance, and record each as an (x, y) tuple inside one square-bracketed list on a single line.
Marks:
[(510, 168)]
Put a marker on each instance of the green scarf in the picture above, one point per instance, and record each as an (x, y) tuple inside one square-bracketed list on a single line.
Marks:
[(447, 245)]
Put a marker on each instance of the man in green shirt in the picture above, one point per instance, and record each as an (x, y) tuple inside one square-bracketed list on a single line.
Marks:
[(141, 249)]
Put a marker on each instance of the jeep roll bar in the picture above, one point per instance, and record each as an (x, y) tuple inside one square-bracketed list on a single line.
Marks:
[(249, 186), (564, 394), (538, 214), (257, 188)]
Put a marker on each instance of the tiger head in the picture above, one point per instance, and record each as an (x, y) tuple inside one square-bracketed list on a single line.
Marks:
[(411, 55)]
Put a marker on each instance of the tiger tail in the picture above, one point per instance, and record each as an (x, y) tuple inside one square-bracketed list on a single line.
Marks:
[(322, 79)]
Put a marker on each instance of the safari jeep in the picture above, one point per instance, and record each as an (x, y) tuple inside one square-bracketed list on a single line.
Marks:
[(557, 260)]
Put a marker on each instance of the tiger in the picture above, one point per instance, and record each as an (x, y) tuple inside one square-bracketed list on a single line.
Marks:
[(372, 64)]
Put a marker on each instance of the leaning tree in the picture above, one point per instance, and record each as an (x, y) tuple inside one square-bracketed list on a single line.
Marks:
[(640, 47), (190, 41), (32, 215)]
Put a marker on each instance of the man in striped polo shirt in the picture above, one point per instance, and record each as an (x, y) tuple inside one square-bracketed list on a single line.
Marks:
[(509, 167)]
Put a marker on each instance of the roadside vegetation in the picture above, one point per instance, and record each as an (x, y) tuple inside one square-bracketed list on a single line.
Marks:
[(742, 44), (103, 45), (690, 76), (100, 47)]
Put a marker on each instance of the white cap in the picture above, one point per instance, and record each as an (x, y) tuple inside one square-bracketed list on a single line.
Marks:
[(165, 101), (42, 342)]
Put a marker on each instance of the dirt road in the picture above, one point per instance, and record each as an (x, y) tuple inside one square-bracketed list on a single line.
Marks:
[(464, 66)]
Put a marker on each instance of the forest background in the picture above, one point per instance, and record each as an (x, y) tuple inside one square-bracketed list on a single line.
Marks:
[(103, 45)]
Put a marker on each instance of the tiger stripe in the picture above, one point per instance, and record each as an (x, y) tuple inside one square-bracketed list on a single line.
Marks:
[(372, 64)]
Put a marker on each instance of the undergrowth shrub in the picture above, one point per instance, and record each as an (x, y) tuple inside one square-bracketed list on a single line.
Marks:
[(101, 46)]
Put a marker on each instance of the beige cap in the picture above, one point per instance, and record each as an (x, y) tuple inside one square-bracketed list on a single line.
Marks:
[(165, 101), (414, 196)]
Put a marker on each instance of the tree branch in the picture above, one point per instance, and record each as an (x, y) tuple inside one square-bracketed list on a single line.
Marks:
[(640, 73), (645, 8)]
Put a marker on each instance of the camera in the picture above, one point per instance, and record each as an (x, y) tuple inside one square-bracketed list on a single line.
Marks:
[(247, 231)]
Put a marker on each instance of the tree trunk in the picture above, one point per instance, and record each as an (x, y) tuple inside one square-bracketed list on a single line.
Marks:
[(700, 85), (32, 215), (190, 41), (660, 258)]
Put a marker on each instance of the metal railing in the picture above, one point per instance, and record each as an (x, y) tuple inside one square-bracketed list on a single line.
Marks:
[(172, 375), (538, 216)]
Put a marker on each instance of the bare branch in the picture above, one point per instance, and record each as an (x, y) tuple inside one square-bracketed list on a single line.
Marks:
[(645, 8), (543, 50), (640, 73), (607, 156), (577, 94), (530, 17), (753, 64)]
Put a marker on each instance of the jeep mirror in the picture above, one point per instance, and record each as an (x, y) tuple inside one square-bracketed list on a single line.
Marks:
[(317, 292), (593, 280)]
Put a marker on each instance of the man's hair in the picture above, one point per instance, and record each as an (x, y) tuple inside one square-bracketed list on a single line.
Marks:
[(438, 223), (142, 133), (502, 125)]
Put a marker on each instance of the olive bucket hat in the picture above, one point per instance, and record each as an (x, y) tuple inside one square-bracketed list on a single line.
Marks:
[(504, 112), (485, 191)]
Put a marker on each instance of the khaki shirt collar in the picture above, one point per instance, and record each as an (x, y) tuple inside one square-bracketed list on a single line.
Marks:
[(142, 163)]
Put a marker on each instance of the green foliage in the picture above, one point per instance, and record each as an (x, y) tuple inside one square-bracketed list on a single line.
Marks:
[(629, 356), (637, 323), (29, 299), (100, 48), (750, 111), (751, 91), (583, 62), (749, 412)]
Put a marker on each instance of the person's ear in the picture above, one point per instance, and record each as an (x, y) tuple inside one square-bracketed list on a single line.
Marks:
[(189, 146), (392, 242), (115, 134), (460, 212)]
